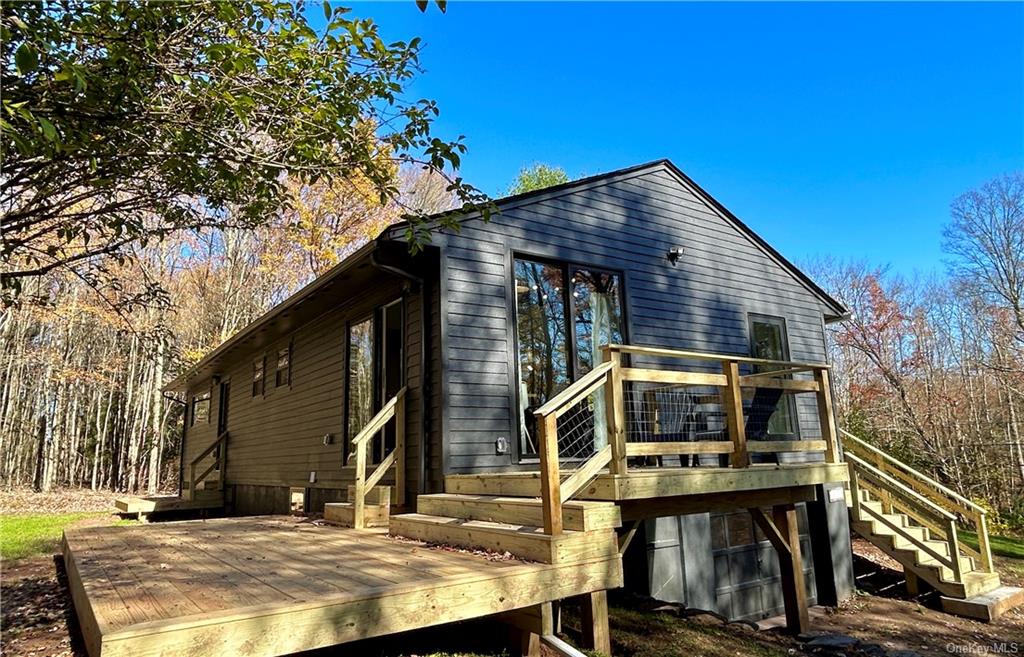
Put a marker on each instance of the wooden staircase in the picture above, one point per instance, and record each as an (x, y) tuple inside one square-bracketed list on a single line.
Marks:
[(202, 490), (514, 525), (376, 508), (919, 522)]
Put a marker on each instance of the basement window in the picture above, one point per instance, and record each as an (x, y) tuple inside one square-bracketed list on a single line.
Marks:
[(201, 408)]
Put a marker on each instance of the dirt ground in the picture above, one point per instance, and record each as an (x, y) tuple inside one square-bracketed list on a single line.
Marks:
[(38, 619), (883, 613)]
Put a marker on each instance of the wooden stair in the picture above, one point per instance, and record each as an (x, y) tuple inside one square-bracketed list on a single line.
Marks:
[(513, 525), (913, 553), (376, 510), (916, 521)]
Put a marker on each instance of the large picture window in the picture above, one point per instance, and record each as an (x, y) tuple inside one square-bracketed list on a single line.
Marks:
[(768, 340), (564, 313)]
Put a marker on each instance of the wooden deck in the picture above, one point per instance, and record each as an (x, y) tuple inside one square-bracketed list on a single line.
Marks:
[(640, 484), (276, 585)]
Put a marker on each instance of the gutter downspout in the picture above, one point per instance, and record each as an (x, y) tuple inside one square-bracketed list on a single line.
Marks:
[(424, 350)]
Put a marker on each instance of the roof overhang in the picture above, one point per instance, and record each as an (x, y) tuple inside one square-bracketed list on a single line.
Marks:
[(320, 295)]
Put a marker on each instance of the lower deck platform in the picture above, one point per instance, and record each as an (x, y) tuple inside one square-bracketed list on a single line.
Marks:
[(276, 585)]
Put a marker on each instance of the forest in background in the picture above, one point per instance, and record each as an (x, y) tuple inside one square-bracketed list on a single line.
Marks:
[(931, 368), (81, 374)]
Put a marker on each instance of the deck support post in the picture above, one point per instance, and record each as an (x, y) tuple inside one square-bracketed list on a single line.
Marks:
[(615, 411), (594, 622), (528, 625), (733, 402), (359, 499), (550, 482), (826, 416), (783, 533), (911, 582), (400, 450)]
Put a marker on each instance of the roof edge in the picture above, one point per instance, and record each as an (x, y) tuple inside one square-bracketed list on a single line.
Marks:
[(179, 382)]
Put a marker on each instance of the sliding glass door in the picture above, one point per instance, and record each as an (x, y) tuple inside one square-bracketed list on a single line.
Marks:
[(376, 372), (564, 313)]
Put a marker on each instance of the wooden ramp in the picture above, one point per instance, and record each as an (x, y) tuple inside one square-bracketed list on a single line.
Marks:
[(276, 585)]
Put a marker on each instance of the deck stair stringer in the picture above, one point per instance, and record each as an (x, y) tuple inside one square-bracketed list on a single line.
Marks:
[(914, 520)]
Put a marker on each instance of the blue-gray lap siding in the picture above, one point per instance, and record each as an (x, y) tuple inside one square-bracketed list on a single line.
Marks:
[(625, 223)]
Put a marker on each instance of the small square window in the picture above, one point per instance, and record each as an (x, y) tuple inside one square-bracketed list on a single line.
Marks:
[(258, 367), (201, 408), (283, 376)]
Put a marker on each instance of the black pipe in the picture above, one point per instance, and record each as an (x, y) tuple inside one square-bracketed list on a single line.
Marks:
[(424, 374)]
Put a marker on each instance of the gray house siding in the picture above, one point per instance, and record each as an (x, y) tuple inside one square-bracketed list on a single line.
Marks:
[(276, 440), (627, 224)]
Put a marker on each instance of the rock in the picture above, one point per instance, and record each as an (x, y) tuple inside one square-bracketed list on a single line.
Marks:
[(902, 653), (871, 650), (813, 634), (835, 642)]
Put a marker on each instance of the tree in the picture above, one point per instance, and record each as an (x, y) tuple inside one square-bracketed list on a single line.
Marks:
[(537, 176), (986, 238), (125, 122)]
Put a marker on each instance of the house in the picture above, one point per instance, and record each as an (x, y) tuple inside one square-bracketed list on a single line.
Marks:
[(457, 326), (613, 379)]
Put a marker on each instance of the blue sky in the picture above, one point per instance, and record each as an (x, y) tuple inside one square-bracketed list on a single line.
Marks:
[(842, 129)]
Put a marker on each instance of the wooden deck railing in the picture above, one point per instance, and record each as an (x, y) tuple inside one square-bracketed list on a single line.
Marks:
[(927, 502), (218, 450), (394, 408), (612, 376)]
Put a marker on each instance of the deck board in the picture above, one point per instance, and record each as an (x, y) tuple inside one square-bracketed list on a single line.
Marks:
[(275, 585)]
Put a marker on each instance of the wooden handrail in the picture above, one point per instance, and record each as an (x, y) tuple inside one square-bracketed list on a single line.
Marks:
[(701, 355), (921, 500), (218, 464), (968, 505), (552, 494), (936, 493), (385, 413), (393, 408), (206, 452), (576, 392)]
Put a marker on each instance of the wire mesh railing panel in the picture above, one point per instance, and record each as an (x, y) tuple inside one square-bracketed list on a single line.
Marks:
[(674, 413), (582, 430)]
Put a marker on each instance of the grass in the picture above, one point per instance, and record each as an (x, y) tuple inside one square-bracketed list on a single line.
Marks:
[(1003, 546), (23, 536)]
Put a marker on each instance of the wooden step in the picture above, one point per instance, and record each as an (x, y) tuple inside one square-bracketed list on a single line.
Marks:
[(938, 576), (344, 513), (378, 495), (576, 515), (526, 542), (132, 505)]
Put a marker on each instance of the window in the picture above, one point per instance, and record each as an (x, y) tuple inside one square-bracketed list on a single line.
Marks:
[(258, 383), (768, 340), (361, 366), (201, 408), (564, 314), (283, 376)]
